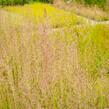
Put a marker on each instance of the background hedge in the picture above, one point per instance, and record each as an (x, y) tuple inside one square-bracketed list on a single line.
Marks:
[(100, 3)]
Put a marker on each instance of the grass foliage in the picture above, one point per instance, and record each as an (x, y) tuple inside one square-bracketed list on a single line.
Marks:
[(44, 12), (45, 67), (100, 3)]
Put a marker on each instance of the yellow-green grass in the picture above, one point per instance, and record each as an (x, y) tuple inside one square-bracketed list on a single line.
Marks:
[(93, 45), (45, 69), (41, 12), (91, 12)]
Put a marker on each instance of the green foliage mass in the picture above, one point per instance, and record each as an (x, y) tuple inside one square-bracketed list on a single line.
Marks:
[(18, 2), (100, 3)]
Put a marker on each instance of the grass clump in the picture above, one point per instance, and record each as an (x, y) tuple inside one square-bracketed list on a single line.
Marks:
[(55, 17), (91, 12)]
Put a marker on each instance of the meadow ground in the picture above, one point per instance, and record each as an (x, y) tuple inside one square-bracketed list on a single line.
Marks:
[(92, 12), (52, 59)]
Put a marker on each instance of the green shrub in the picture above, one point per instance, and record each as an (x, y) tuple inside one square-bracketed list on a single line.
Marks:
[(100, 3), (18, 2)]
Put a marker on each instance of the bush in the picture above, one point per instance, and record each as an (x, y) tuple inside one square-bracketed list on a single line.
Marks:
[(100, 3), (21, 2), (12, 2)]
